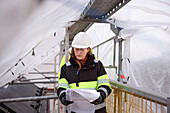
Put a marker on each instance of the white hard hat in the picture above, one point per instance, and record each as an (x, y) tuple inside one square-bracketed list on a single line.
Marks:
[(81, 40)]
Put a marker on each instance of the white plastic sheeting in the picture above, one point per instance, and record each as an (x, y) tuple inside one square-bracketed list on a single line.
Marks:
[(145, 26), (31, 24), (99, 33), (146, 50), (146, 30), (149, 60)]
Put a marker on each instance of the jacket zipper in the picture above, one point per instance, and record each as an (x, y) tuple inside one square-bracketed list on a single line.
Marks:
[(77, 78)]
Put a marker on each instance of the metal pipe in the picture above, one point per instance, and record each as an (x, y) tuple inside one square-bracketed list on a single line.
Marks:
[(61, 50), (114, 51), (52, 77), (50, 64), (103, 42), (37, 78), (48, 107), (28, 99), (110, 67), (97, 46), (97, 51), (66, 45), (41, 72), (119, 69), (55, 61), (120, 58), (66, 50), (55, 75), (32, 79), (38, 82), (60, 58)]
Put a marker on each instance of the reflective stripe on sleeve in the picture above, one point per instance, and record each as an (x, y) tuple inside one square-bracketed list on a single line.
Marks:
[(103, 77), (103, 80), (63, 83)]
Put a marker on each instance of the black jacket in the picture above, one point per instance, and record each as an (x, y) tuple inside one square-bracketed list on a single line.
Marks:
[(91, 70)]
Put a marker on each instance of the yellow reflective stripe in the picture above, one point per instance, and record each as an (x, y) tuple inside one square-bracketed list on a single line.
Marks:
[(84, 85), (62, 62), (105, 84), (59, 73), (69, 57), (95, 57), (103, 80), (62, 80), (103, 77), (63, 83)]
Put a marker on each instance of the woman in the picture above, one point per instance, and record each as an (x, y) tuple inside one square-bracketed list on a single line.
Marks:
[(84, 71)]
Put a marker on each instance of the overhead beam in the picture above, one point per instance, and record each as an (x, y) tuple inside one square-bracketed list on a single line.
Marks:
[(91, 20), (102, 9), (96, 11)]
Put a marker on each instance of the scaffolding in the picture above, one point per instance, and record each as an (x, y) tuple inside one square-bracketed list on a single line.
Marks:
[(123, 98)]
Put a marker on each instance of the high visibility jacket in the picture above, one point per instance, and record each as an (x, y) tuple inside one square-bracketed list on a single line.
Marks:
[(91, 76)]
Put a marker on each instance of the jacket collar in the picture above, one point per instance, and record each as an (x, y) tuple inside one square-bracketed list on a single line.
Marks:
[(89, 61)]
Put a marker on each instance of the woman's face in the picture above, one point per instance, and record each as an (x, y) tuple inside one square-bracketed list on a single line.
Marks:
[(81, 53)]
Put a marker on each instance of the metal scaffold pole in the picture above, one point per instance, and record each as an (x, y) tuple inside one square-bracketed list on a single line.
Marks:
[(60, 58), (66, 45), (55, 75), (36, 82), (66, 48), (28, 99)]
